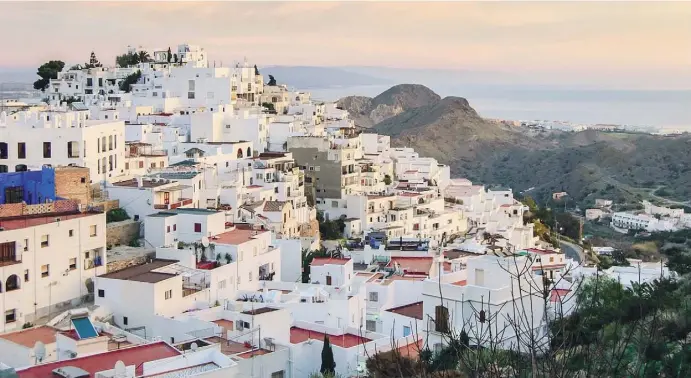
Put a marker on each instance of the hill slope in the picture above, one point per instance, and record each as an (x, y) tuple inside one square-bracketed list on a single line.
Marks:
[(622, 166), (368, 111)]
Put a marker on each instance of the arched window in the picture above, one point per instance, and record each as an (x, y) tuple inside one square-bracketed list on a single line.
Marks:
[(12, 283), (249, 152), (239, 153)]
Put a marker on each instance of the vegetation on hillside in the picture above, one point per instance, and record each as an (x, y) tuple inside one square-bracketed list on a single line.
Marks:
[(330, 229), (614, 331), (622, 166)]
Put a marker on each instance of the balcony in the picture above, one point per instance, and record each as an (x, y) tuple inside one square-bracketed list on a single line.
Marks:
[(173, 205), (10, 260)]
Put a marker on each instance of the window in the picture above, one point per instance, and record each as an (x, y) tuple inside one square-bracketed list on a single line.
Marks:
[(197, 227), (371, 325), (26, 245), (141, 164), (482, 316), (10, 316), (4, 150), (45, 270), (20, 168), (441, 319), (167, 229), (21, 150), (190, 85), (278, 374), (4, 168), (406, 331), (127, 165), (124, 320), (334, 203), (250, 274), (92, 230), (72, 149), (175, 227), (101, 293), (222, 284), (374, 296), (44, 241), (110, 142), (110, 163), (190, 95), (14, 194), (26, 275), (73, 263), (46, 150), (169, 294)]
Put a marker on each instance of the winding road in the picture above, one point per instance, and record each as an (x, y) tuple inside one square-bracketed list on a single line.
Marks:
[(572, 251)]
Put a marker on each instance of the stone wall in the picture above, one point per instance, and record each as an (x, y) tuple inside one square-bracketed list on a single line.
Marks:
[(122, 264), (105, 205), (73, 183), (121, 233)]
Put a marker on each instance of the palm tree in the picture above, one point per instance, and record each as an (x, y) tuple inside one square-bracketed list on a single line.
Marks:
[(144, 56)]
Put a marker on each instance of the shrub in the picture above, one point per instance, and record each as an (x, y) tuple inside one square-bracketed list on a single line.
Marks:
[(116, 215)]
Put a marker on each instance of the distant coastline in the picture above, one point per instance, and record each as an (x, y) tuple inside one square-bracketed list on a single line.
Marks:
[(658, 109)]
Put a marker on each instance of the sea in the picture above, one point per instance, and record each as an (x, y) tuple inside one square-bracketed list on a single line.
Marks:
[(665, 110)]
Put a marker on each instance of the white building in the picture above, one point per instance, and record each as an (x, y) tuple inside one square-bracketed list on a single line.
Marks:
[(49, 258), (33, 139)]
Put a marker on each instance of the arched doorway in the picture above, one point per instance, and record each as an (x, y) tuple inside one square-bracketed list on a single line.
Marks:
[(239, 153), (249, 152)]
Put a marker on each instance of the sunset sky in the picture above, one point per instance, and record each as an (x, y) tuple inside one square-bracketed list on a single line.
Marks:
[(575, 40)]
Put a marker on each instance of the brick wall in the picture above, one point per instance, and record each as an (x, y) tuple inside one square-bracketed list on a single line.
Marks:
[(73, 183), (18, 209), (121, 233)]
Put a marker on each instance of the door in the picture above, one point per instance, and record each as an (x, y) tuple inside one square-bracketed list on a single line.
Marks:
[(479, 277), (166, 198), (328, 280)]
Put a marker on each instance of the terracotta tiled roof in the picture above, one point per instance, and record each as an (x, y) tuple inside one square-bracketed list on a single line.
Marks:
[(412, 310), (274, 205)]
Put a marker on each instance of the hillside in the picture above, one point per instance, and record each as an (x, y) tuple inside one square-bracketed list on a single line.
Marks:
[(623, 166), (368, 111)]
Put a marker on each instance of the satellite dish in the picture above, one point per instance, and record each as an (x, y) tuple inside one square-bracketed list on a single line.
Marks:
[(120, 370), (194, 347), (39, 351), (205, 241)]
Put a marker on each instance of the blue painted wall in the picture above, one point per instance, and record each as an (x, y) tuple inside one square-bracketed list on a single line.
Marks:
[(39, 186)]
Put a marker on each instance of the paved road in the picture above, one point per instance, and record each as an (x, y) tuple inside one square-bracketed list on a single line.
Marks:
[(572, 251)]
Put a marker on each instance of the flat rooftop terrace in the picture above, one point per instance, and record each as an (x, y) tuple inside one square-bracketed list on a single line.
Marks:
[(347, 340), (143, 273), (136, 356)]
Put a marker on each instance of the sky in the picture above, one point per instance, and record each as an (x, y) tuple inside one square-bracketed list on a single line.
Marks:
[(643, 43)]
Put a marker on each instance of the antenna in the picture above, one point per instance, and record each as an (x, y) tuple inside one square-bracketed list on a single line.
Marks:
[(120, 370), (39, 351)]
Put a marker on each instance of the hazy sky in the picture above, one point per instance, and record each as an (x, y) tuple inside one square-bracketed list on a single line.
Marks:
[(645, 41)]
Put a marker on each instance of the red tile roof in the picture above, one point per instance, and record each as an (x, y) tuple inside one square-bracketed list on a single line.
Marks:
[(236, 236), (413, 265), (347, 340), (319, 261), (411, 350), (558, 294), (135, 355), (29, 337), (31, 221), (412, 310), (460, 283)]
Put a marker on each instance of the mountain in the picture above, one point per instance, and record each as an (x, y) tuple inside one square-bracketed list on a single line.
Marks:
[(626, 167), (368, 111), (319, 77)]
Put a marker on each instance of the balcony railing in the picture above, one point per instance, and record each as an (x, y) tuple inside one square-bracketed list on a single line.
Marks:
[(173, 205), (11, 260)]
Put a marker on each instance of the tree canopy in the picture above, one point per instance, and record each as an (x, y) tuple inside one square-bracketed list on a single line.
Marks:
[(46, 72), (126, 85), (272, 81)]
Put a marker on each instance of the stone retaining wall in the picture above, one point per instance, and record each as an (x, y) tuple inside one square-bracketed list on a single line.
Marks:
[(121, 233)]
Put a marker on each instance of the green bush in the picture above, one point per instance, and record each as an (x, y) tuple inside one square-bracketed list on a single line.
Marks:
[(116, 215)]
